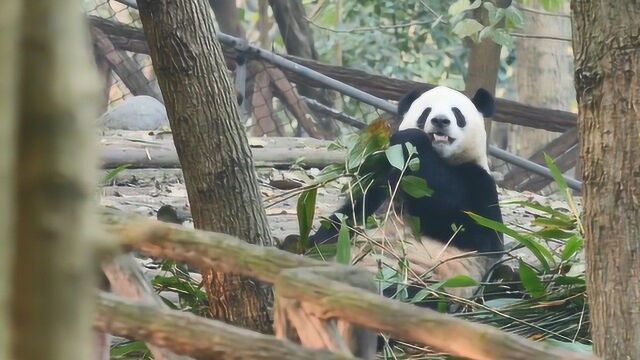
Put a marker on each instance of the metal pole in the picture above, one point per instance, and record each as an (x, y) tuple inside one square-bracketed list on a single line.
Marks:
[(242, 45)]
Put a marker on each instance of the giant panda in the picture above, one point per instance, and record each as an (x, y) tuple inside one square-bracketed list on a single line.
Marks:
[(447, 130)]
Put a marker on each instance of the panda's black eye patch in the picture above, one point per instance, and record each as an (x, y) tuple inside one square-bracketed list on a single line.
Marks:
[(423, 118), (460, 120)]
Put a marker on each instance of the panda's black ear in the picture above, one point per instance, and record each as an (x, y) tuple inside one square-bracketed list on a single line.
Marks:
[(484, 102), (407, 100)]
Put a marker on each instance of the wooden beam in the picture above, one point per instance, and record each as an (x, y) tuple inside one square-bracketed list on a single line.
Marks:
[(560, 145)]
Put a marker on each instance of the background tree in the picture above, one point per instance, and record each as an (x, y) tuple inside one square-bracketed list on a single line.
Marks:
[(9, 30), (55, 184), (607, 51), (211, 144)]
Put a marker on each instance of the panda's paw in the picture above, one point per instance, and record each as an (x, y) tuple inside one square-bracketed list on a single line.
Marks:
[(415, 137)]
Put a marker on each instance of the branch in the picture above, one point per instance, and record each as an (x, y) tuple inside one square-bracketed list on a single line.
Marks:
[(328, 299), (195, 336)]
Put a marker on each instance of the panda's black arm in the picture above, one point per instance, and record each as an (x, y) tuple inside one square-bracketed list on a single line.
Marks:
[(449, 190)]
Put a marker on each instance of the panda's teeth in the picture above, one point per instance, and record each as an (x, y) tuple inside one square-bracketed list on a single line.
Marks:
[(440, 138)]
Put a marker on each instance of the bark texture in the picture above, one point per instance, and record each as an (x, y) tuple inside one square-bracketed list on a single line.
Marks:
[(211, 145), (9, 33), (59, 92), (606, 42)]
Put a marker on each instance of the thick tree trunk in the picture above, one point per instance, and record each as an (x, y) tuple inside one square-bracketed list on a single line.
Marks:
[(607, 50), (211, 144), (53, 277), (9, 33)]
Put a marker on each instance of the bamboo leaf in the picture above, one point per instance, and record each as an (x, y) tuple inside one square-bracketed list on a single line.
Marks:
[(530, 280), (540, 252), (343, 251), (415, 186), (571, 247), (306, 209), (395, 156)]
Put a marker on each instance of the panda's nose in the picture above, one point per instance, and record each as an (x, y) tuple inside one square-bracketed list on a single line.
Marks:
[(440, 122)]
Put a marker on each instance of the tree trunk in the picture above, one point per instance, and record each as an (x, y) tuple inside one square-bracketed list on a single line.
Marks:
[(59, 96), (9, 33), (484, 63), (607, 50), (211, 145), (541, 64)]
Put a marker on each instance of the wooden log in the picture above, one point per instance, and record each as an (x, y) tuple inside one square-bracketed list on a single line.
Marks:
[(163, 155), (564, 162), (187, 334), (321, 296), (126, 280), (507, 111), (328, 299), (560, 145)]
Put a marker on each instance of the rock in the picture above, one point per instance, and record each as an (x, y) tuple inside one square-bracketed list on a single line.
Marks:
[(136, 113)]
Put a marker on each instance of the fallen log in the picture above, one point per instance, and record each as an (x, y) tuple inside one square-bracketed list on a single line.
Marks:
[(306, 282), (197, 337), (166, 157)]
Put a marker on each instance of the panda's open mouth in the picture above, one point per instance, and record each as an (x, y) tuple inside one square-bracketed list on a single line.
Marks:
[(440, 138)]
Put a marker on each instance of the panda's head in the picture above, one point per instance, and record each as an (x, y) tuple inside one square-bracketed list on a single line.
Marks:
[(453, 122)]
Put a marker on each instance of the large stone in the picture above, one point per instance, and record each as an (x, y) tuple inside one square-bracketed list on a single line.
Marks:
[(136, 113)]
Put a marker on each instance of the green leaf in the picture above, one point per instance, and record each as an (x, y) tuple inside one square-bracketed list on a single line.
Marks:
[(571, 247), (330, 172), (306, 209), (530, 280), (456, 282), (547, 209), (540, 252), (486, 33), (467, 27), (502, 38), (570, 280), (113, 173), (343, 251), (514, 17), (128, 348), (463, 5), (414, 164), (395, 156), (415, 186), (322, 252), (556, 173), (554, 223), (421, 295)]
